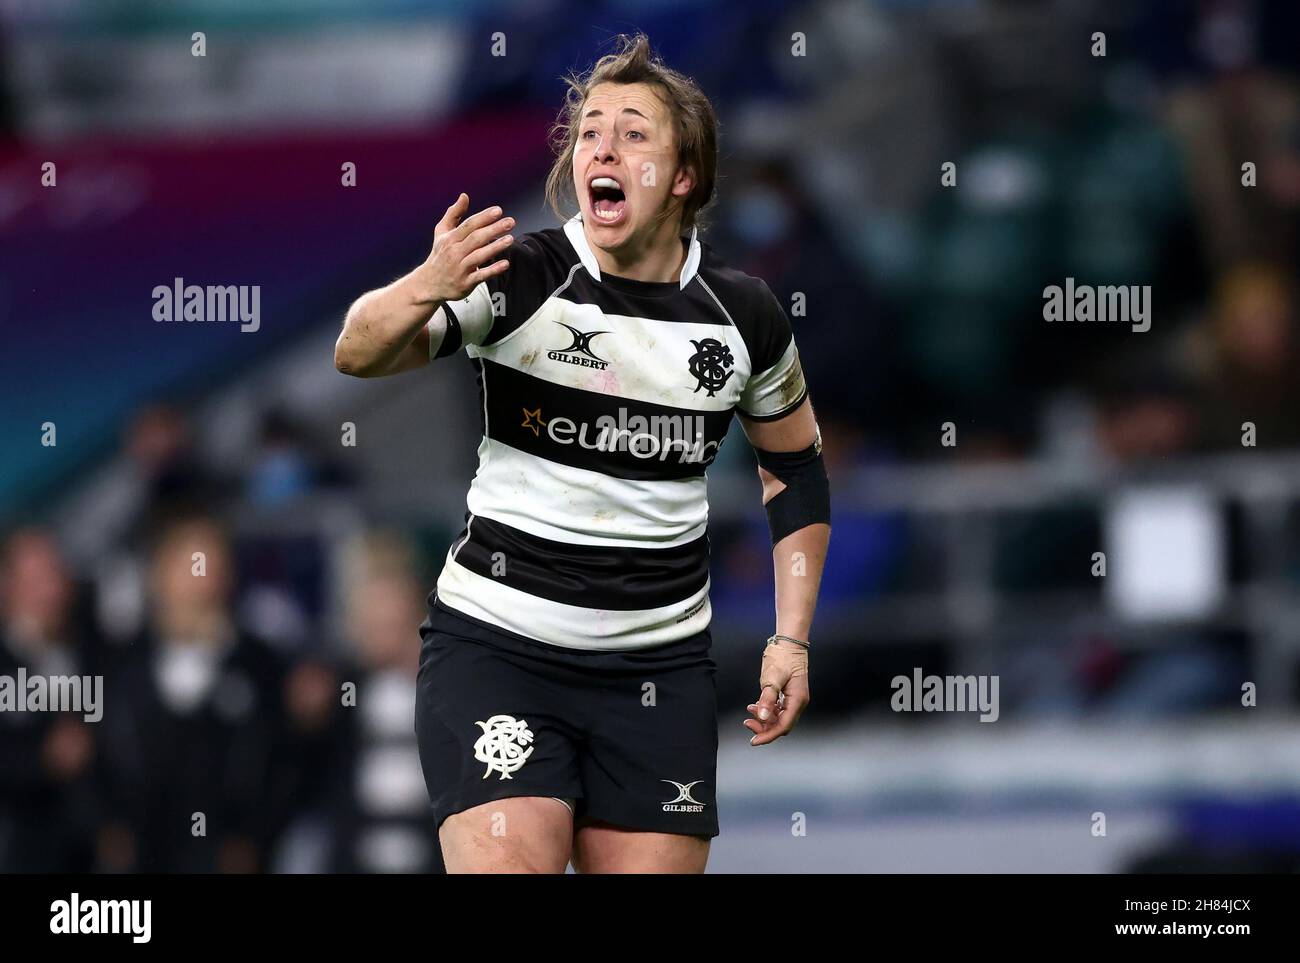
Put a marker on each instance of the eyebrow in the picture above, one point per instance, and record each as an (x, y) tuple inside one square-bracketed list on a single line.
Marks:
[(627, 110)]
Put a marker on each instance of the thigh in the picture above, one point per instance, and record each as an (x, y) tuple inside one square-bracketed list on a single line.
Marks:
[(520, 834), (602, 848)]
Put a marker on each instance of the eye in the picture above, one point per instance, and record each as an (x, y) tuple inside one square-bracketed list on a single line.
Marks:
[(588, 134), (636, 135)]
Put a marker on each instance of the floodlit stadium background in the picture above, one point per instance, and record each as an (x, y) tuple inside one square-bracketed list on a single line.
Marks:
[(1120, 695)]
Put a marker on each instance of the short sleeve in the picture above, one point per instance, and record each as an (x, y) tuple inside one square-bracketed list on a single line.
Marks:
[(498, 306), (776, 385)]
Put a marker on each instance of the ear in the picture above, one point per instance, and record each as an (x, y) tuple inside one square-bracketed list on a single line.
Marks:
[(683, 182)]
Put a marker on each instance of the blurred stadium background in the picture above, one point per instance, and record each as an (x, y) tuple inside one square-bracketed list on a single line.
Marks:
[(1119, 695)]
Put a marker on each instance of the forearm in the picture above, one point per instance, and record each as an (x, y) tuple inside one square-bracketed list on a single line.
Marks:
[(798, 560), (796, 496), (382, 324)]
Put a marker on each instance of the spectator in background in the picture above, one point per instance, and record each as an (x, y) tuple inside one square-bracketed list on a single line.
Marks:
[(380, 816), (1146, 408), (1242, 110), (209, 739), (283, 558), (768, 228), (287, 464), (158, 474), (1246, 359), (47, 797)]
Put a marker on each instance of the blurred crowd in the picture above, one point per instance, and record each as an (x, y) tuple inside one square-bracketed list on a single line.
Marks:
[(1174, 165), (1174, 162), (223, 745)]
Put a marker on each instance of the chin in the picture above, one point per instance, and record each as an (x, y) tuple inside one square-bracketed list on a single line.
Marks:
[(608, 236)]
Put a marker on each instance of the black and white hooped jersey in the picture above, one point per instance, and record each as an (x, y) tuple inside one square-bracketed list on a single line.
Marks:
[(604, 400)]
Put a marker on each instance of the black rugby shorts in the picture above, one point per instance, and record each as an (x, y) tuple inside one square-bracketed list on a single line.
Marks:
[(631, 738)]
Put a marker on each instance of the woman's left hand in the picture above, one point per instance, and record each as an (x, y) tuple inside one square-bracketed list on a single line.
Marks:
[(783, 695)]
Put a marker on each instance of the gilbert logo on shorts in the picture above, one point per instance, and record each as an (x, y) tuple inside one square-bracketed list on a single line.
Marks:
[(501, 747), (685, 802)]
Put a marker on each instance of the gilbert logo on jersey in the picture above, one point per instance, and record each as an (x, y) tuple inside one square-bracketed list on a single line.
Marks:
[(579, 352)]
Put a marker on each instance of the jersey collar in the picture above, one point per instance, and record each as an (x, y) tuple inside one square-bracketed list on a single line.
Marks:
[(573, 231)]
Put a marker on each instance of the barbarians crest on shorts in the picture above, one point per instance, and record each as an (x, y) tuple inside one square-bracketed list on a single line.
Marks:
[(711, 364), (501, 747)]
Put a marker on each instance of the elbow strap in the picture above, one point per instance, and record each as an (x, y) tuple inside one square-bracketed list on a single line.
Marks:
[(806, 498)]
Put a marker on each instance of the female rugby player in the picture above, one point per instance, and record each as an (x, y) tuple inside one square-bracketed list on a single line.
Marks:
[(566, 709)]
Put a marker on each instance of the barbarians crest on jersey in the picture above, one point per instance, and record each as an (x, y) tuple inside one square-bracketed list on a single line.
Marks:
[(501, 747), (579, 352), (711, 364)]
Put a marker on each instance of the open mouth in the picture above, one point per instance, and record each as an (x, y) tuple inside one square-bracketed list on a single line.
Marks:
[(608, 201)]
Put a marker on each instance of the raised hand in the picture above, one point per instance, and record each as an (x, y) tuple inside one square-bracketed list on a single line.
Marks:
[(463, 251)]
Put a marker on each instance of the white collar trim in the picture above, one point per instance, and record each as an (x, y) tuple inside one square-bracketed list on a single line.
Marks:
[(578, 238)]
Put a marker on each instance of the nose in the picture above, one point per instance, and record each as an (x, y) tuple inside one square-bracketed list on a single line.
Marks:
[(604, 149)]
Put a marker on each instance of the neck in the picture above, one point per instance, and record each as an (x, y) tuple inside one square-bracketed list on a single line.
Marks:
[(658, 257)]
